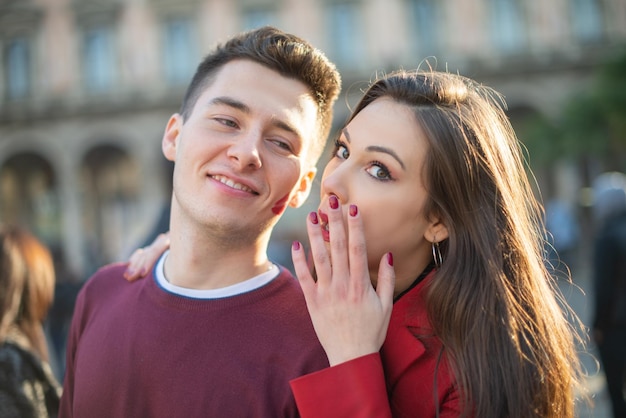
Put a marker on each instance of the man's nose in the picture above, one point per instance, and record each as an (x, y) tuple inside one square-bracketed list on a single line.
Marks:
[(245, 151)]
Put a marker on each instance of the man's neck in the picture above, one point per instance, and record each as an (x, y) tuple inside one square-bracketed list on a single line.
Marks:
[(198, 261)]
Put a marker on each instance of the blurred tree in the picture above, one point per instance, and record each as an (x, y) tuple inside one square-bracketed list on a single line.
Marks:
[(541, 137), (612, 99), (594, 124)]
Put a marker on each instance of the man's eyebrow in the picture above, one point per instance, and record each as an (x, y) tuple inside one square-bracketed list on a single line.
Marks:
[(230, 102), (377, 148), (285, 127), (239, 105)]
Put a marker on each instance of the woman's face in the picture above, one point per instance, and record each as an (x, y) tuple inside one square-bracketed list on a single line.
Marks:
[(377, 165)]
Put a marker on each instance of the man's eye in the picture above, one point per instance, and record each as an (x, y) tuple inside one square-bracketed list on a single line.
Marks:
[(282, 144), (227, 122)]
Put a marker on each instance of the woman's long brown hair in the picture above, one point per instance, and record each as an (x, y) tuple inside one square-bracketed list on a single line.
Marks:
[(492, 302), (26, 287)]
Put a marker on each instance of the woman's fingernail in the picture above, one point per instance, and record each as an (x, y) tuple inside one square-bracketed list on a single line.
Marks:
[(129, 273), (390, 259), (296, 245), (353, 210), (144, 271), (313, 217), (333, 201)]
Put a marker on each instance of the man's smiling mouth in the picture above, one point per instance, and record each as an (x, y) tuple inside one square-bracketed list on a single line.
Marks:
[(233, 184)]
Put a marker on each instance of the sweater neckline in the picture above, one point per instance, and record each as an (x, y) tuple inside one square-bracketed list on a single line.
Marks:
[(245, 286), (178, 302)]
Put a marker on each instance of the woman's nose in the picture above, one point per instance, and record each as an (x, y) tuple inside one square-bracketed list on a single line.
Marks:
[(335, 182)]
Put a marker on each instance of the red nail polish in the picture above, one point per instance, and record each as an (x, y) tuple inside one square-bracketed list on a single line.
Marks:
[(313, 217), (353, 210), (390, 259), (296, 245), (333, 201)]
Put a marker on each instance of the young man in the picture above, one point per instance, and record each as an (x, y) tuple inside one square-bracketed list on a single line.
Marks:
[(217, 329)]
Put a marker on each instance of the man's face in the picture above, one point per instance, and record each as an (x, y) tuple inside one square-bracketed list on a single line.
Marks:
[(241, 156)]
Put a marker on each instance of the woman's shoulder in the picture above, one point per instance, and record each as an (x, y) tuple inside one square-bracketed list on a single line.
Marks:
[(26, 383), (20, 363)]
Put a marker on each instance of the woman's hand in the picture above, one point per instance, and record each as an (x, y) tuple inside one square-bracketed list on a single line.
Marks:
[(144, 258), (350, 317)]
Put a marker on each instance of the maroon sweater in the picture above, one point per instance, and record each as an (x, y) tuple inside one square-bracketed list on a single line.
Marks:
[(136, 350)]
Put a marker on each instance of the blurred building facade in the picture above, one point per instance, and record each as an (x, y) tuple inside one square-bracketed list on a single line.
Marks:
[(87, 86)]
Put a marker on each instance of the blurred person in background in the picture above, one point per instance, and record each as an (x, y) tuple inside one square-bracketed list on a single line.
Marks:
[(563, 237), (59, 317), (27, 385), (609, 279)]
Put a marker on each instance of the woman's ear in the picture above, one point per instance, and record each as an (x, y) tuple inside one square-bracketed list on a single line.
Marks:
[(171, 135), (436, 231), (303, 189)]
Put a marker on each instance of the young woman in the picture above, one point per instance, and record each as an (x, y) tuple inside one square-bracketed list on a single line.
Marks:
[(426, 208), (27, 385)]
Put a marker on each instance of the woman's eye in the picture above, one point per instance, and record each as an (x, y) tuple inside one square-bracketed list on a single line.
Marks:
[(341, 152), (379, 172)]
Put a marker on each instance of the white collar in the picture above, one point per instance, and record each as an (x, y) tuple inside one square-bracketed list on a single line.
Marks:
[(232, 290)]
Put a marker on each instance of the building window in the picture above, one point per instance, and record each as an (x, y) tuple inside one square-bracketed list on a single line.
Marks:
[(587, 20), (346, 44), (18, 68), (99, 59), (424, 21), (507, 28), (28, 195), (180, 58), (110, 184)]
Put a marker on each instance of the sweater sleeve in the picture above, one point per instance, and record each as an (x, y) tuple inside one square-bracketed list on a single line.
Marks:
[(354, 389)]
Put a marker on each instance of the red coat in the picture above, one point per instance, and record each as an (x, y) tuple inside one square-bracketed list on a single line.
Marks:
[(397, 382)]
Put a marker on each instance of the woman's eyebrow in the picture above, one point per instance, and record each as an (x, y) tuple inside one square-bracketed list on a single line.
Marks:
[(345, 133), (377, 148)]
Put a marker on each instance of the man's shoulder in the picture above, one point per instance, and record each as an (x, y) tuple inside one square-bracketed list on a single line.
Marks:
[(286, 292), (106, 279), (288, 280), (104, 290), (285, 272)]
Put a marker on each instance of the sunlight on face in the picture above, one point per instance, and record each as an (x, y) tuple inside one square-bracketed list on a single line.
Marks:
[(242, 153)]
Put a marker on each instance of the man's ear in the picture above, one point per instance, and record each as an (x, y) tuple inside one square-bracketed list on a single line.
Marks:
[(170, 136), (303, 189), (436, 231)]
